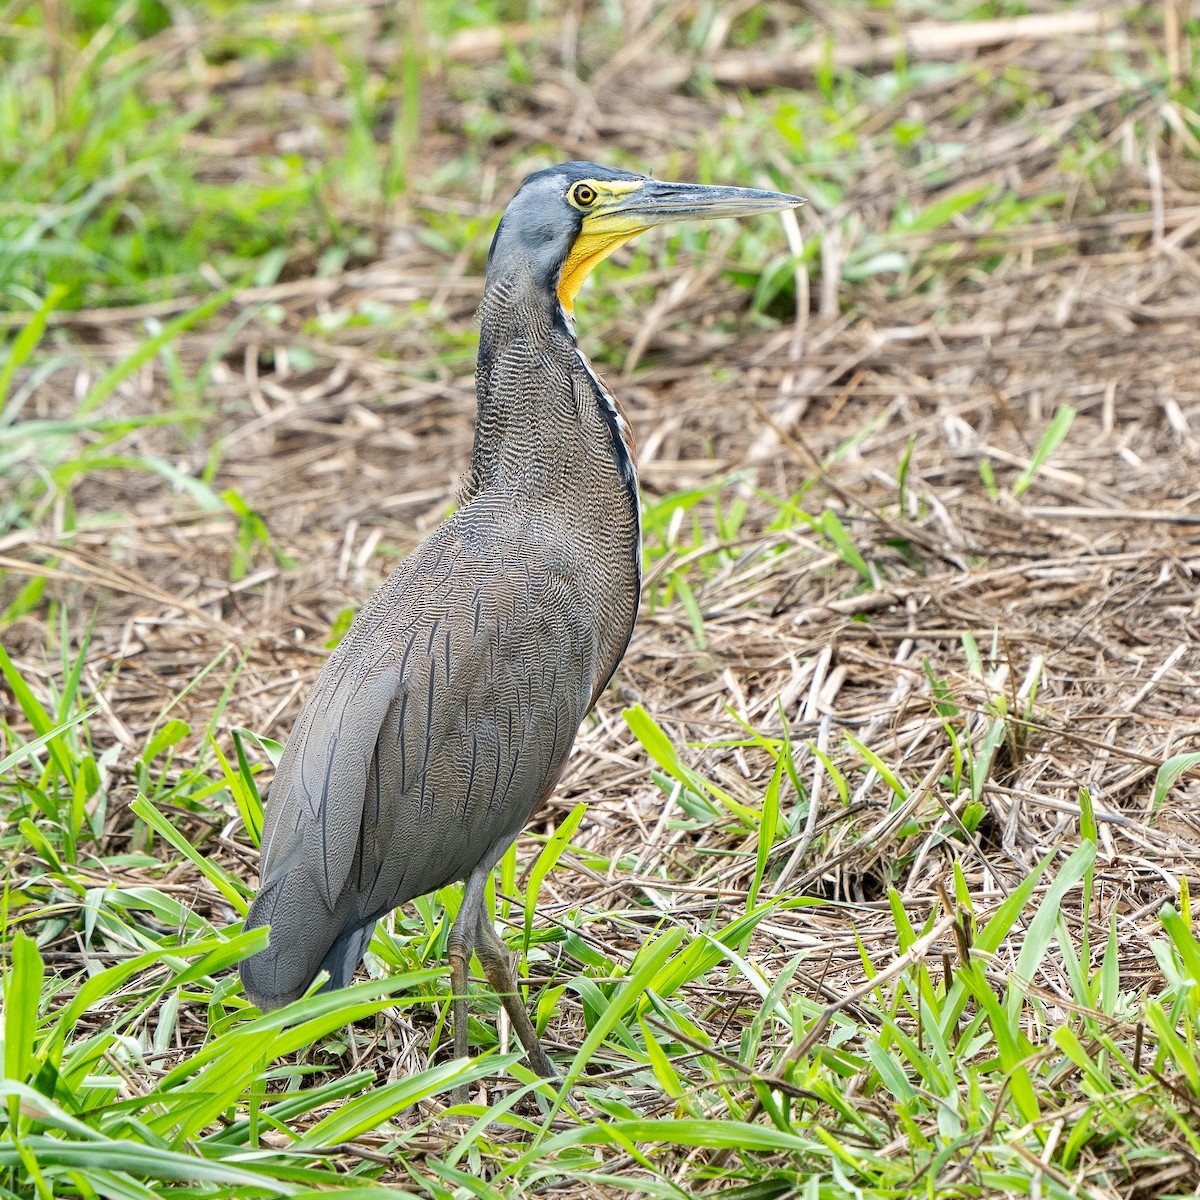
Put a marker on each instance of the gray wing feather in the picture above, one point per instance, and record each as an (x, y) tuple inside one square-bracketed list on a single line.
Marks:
[(321, 784), (435, 728)]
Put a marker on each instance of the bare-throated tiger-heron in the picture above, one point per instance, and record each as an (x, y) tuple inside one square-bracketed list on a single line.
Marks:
[(444, 717)]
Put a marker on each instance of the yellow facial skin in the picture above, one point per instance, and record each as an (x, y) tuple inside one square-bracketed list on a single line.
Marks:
[(603, 232)]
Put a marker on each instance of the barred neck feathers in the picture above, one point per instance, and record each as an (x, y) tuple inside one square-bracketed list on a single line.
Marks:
[(528, 380), (614, 417)]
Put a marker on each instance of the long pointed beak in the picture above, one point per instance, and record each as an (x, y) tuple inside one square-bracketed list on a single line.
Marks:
[(656, 203), (628, 209)]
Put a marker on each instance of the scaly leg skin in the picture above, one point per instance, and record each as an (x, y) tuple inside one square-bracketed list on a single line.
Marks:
[(458, 951), (497, 964), (462, 942)]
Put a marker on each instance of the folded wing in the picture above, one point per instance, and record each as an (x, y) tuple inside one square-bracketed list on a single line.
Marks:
[(435, 728)]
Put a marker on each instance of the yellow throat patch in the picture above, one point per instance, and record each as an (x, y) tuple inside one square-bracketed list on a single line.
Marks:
[(589, 249), (602, 233)]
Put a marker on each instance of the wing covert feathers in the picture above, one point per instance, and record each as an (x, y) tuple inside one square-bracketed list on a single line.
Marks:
[(433, 731), (322, 778)]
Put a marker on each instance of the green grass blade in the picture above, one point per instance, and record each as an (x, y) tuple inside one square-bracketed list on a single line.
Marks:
[(108, 383), (1040, 932), (37, 716), (766, 831), (368, 1112), (27, 340), (551, 853), (242, 787), (1170, 772), (1060, 426), (650, 960), (22, 997), (27, 749), (229, 887)]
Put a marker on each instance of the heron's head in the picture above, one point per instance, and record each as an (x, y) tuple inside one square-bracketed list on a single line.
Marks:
[(566, 219)]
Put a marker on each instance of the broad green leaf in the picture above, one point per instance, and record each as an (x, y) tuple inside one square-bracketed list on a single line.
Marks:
[(1170, 772), (22, 995), (551, 853)]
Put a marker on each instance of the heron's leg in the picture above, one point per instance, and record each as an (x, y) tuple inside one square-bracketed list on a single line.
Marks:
[(497, 964), (458, 950)]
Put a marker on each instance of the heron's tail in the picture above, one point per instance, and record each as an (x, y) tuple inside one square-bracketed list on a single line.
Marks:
[(305, 938)]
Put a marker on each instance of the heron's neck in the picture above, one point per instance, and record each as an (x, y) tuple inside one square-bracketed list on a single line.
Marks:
[(545, 421)]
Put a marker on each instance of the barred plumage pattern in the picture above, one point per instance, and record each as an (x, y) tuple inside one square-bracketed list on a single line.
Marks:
[(445, 715)]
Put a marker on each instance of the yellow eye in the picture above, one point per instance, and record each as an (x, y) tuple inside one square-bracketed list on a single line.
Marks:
[(583, 194)]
